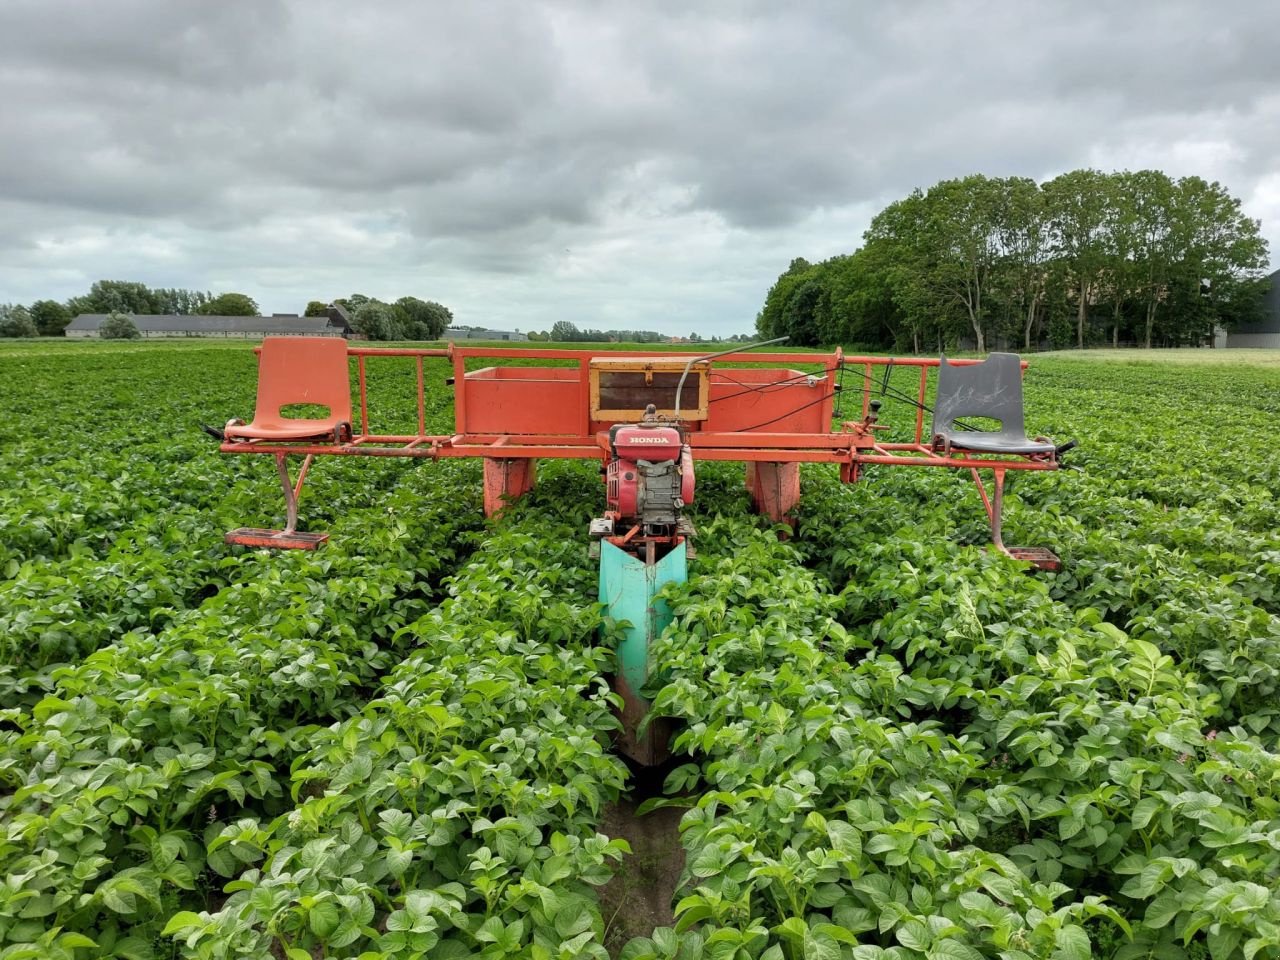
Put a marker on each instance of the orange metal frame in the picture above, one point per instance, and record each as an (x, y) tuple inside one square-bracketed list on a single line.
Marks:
[(544, 412), (770, 417)]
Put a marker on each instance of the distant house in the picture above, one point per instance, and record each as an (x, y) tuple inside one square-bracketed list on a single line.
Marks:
[(454, 333), (1266, 332), (335, 324)]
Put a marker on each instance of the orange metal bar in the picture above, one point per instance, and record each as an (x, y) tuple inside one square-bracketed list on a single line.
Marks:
[(924, 380), (459, 393), (302, 474), (770, 441), (354, 351), (422, 410), (955, 462), (584, 394), (441, 449), (364, 400), (986, 501), (515, 353), (397, 351)]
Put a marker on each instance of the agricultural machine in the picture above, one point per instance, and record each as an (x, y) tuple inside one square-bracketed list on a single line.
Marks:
[(648, 417)]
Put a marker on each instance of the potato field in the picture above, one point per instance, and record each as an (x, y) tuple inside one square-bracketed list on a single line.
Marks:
[(891, 744)]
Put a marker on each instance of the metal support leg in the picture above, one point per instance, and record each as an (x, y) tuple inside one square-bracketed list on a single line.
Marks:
[(289, 538), (774, 488), (292, 491), (994, 504), (997, 510), (505, 479)]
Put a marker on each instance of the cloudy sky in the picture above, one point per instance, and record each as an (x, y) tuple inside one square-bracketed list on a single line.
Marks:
[(645, 165)]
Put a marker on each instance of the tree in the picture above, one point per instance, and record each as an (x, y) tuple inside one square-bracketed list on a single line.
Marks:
[(178, 301), (897, 247), (316, 309), (1120, 241), (376, 320), (769, 322), (960, 236), (562, 331), (1222, 250), (231, 305), (423, 319), (800, 316), (50, 317), (108, 296), (1078, 203), (1149, 195), (118, 326), (123, 296), (1023, 235), (15, 321), (353, 303)]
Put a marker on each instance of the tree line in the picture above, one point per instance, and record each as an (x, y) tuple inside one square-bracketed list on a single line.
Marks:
[(49, 318), (1085, 258), (564, 331), (408, 318)]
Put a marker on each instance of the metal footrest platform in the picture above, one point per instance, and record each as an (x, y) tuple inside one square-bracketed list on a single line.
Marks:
[(1036, 556), (275, 539)]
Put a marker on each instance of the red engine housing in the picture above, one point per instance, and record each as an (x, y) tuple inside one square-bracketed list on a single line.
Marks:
[(654, 444)]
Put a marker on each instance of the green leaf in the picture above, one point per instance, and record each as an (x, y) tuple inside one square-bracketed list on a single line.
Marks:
[(1072, 943), (119, 899), (1162, 910), (1223, 941), (793, 928), (323, 919), (72, 941), (948, 949), (182, 920), (1144, 810), (913, 935)]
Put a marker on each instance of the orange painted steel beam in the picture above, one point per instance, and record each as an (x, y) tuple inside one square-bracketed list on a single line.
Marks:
[(774, 489), (506, 479)]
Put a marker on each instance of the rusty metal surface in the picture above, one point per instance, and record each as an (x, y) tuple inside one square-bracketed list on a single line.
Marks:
[(651, 747), (275, 539), (1038, 557)]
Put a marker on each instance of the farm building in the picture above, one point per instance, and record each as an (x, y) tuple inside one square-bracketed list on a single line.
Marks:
[(335, 324), (1266, 332), (453, 333)]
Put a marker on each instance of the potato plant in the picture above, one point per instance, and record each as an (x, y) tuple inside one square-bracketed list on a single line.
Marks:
[(890, 743), (903, 747)]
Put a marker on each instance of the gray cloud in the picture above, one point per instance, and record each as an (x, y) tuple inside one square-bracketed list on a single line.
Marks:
[(656, 165)]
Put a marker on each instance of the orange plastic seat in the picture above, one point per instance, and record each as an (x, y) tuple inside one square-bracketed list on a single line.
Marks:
[(294, 370)]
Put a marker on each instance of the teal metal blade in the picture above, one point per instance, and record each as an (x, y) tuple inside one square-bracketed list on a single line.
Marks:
[(627, 589)]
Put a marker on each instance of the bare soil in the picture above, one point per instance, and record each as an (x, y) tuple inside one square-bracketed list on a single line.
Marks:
[(641, 894)]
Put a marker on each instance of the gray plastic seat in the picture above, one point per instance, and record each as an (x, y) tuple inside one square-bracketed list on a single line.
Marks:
[(992, 388)]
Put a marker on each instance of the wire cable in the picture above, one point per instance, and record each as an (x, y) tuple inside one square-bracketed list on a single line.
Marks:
[(893, 393), (806, 406), (762, 388)]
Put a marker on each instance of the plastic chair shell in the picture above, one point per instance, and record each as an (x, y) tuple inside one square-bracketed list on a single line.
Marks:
[(992, 388), (293, 370)]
